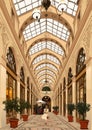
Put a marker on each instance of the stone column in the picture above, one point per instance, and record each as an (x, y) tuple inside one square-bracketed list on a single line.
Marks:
[(89, 89), (18, 92), (74, 96), (66, 100), (2, 95), (18, 86), (62, 104), (59, 101)]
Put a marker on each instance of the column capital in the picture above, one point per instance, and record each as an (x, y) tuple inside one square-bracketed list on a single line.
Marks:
[(73, 78)]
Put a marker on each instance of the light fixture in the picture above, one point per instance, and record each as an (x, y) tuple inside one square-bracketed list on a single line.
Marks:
[(37, 13), (46, 4), (62, 6)]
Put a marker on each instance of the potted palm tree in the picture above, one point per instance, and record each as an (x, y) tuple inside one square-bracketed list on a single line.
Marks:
[(82, 108), (12, 106), (70, 108), (24, 106), (55, 109)]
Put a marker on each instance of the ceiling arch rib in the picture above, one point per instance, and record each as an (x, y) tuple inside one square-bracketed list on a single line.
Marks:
[(46, 71), (45, 36), (46, 45), (48, 80), (45, 68), (48, 65), (45, 62), (48, 75), (46, 57), (46, 51), (46, 25)]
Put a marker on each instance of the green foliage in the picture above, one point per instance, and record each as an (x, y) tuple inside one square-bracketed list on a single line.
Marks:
[(70, 108), (24, 105), (12, 105), (55, 108), (82, 108), (16, 105)]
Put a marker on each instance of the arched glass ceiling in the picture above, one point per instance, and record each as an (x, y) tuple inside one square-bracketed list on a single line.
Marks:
[(48, 65), (46, 75), (23, 6), (46, 44), (45, 57), (46, 79), (46, 25), (45, 72), (43, 81)]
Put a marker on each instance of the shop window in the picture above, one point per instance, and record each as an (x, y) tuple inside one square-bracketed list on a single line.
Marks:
[(11, 60), (11, 89), (80, 61), (22, 75)]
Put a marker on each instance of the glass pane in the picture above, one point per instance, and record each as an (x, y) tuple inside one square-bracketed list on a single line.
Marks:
[(46, 44), (53, 27), (49, 57)]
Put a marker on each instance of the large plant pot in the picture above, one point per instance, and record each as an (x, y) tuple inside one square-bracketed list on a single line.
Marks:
[(25, 117), (13, 122), (55, 112), (83, 124), (70, 118)]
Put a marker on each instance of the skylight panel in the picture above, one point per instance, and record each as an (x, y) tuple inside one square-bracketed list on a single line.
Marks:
[(71, 4), (23, 6), (48, 65), (49, 57), (31, 4), (46, 44), (54, 28)]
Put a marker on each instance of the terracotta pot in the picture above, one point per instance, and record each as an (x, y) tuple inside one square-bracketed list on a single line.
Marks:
[(70, 118), (83, 124), (13, 122), (25, 117), (55, 112)]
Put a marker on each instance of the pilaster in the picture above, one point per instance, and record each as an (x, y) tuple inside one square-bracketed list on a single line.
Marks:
[(89, 89), (2, 95), (74, 96)]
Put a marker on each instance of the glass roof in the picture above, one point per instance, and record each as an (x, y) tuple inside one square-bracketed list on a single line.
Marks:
[(71, 6), (46, 25), (45, 72), (43, 77), (46, 44), (46, 57), (48, 65), (48, 80), (23, 6)]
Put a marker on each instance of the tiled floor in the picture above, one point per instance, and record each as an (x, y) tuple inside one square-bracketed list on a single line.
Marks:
[(54, 122)]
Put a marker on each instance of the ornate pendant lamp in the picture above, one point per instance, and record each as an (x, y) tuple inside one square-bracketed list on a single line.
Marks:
[(46, 4), (37, 13)]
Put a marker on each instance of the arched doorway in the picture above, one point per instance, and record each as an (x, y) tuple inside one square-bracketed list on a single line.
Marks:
[(47, 99)]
